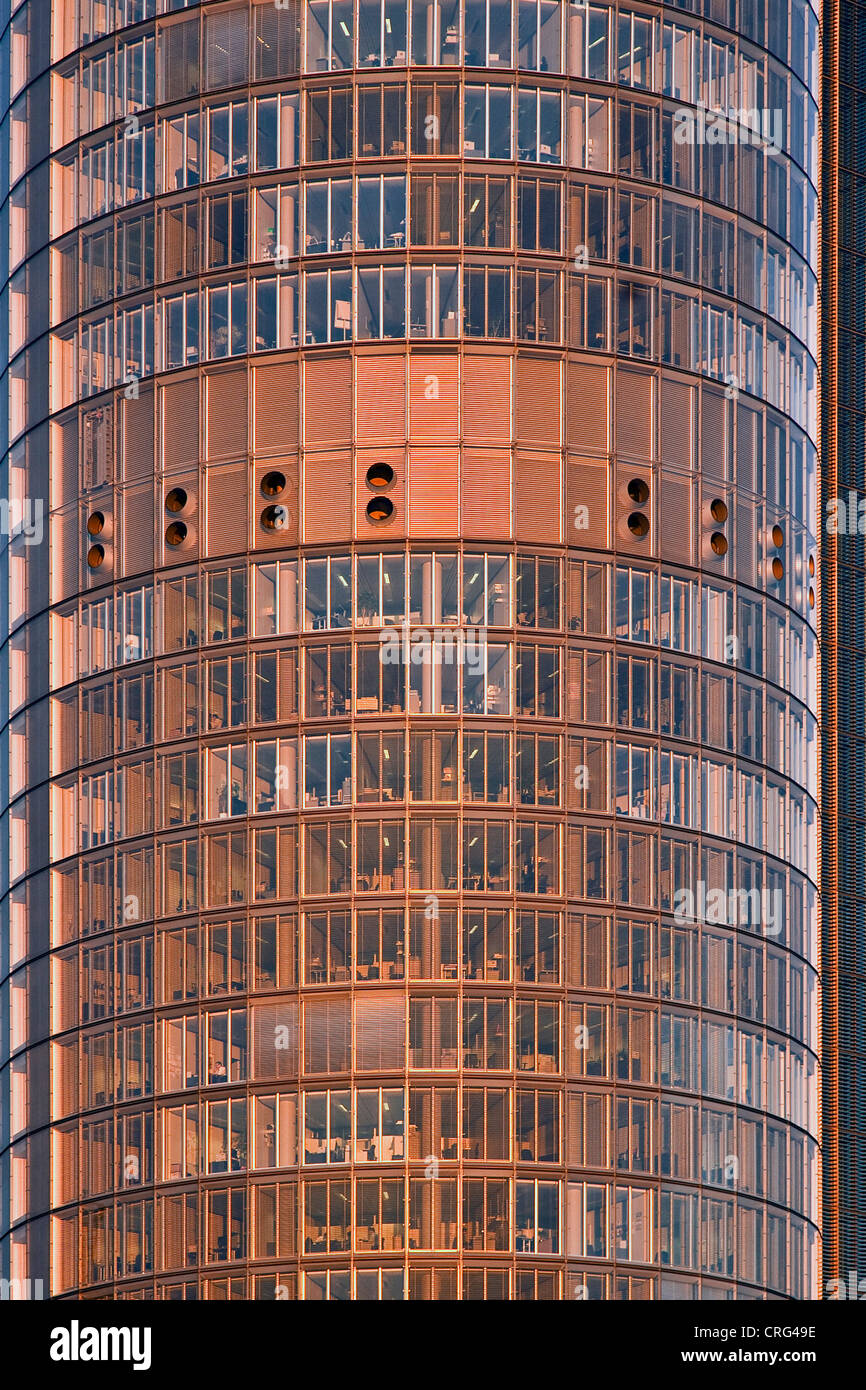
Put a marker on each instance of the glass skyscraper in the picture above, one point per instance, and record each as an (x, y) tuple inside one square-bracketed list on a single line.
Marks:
[(410, 680)]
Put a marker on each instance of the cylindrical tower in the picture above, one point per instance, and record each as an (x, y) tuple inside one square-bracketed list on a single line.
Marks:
[(410, 734)]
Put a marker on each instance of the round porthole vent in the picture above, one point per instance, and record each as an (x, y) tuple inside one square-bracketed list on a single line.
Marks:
[(380, 509), (380, 475), (273, 483), (176, 500), (275, 518), (638, 491), (639, 525), (176, 533)]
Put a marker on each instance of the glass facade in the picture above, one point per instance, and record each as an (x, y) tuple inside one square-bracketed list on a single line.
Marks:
[(418, 682), (843, 589)]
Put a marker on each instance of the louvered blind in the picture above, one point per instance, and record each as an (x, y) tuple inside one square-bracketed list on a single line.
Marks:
[(277, 407), (486, 398), (434, 415), (180, 423), (380, 400), (328, 401), (434, 492), (486, 494), (138, 435), (227, 412), (275, 1040), (635, 414)]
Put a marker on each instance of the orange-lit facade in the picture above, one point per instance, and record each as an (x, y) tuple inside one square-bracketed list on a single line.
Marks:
[(411, 725)]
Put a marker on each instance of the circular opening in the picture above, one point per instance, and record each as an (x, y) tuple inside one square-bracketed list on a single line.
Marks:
[(273, 483), (380, 475), (379, 509), (778, 536), (275, 518), (95, 523), (778, 569), (638, 524), (718, 509), (719, 543), (638, 491), (811, 598), (176, 500), (811, 566), (176, 533), (95, 556)]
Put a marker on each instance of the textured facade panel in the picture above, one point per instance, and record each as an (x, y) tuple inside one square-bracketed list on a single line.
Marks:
[(227, 420), (636, 402), (65, 561), (138, 428), (677, 424), (539, 395), (380, 399), (276, 484), (487, 404), (227, 508), (588, 483), (327, 403), (434, 399), (328, 492), (677, 510), (715, 427), (138, 528), (65, 481), (434, 492), (537, 497), (179, 403), (277, 407), (397, 492), (588, 410), (485, 493)]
